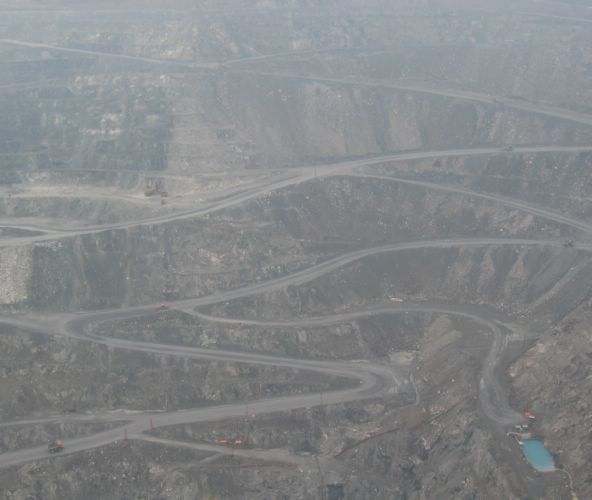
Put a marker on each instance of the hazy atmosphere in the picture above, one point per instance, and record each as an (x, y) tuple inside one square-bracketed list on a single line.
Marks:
[(295, 249)]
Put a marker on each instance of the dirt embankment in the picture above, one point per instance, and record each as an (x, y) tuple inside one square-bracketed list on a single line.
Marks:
[(554, 379)]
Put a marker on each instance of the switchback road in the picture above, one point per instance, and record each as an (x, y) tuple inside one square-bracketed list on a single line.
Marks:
[(370, 380)]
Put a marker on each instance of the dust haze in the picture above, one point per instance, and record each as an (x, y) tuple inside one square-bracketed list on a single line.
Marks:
[(295, 249)]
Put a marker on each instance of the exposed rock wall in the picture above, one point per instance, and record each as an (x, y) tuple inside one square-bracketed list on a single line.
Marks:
[(269, 237), (15, 274), (554, 378)]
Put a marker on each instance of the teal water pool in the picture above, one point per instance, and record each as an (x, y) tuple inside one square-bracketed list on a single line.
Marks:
[(537, 455)]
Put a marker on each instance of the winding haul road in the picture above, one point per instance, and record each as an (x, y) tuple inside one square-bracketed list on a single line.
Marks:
[(306, 174), (367, 380), (370, 380), (423, 88), (107, 55)]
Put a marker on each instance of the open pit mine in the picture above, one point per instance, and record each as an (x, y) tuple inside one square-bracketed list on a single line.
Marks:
[(295, 249)]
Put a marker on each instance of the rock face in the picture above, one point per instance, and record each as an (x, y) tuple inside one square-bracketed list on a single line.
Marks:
[(46, 375), (511, 280), (511, 69), (15, 268), (557, 181), (300, 225), (273, 125), (554, 379), (64, 109)]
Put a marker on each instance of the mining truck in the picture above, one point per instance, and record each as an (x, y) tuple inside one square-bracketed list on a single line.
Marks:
[(55, 446), (155, 185), (238, 442)]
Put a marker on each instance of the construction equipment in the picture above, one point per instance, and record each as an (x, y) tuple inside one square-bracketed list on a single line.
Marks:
[(55, 446), (237, 442), (155, 185), (529, 415)]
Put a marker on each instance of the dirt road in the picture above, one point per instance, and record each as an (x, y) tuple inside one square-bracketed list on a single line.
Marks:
[(368, 380), (306, 174)]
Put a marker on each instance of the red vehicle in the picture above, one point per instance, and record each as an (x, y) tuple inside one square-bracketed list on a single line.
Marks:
[(237, 442), (55, 446)]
